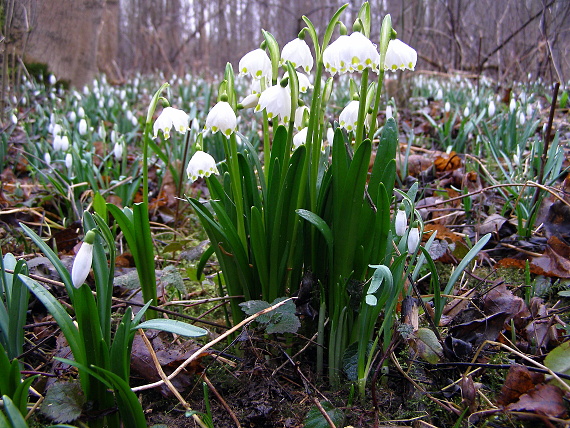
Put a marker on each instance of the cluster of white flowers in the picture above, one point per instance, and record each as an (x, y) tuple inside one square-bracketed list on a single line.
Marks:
[(349, 53)]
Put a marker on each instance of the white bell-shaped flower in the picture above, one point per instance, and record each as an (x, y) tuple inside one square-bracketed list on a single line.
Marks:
[(363, 51), (82, 127), (256, 63), (250, 101), (349, 116), (400, 56), (83, 260), (68, 161), (201, 165), (118, 151), (63, 143), (337, 57), (401, 223), (300, 114), (304, 82), (276, 100), (413, 240), (300, 138), (171, 118), (297, 51), (491, 109), (222, 118)]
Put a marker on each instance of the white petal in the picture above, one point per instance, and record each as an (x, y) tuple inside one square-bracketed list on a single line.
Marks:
[(256, 63), (276, 100), (201, 165), (169, 118), (400, 56), (300, 138), (222, 118), (298, 53), (401, 222), (349, 116), (82, 264), (413, 240)]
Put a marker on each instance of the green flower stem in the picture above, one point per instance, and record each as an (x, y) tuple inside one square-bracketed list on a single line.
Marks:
[(376, 105), (386, 33), (313, 148), (147, 137), (361, 109), (235, 177)]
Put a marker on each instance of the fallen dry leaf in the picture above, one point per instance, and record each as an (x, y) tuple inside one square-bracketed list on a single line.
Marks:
[(544, 400), (519, 381)]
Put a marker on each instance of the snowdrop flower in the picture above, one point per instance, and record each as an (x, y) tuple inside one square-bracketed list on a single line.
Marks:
[(72, 116), (169, 118), (439, 94), (529, 111), (250, 101), (522, 118), (118, 150), (83, 260), (82, 127), (512, 105), (447, 107), (401, 221), (68, 161), (201, 165), (222, 118), (113, 136), (300, 138), (13, 119), (64, 143), (298, 53), (476, 101), (81, 112), (276, 100), (52, 79), (491, 109), (349, 116), (466, 111), (400, 56), (300, 117), (413, 240), (389, 112), (110, 103), (256, 63)]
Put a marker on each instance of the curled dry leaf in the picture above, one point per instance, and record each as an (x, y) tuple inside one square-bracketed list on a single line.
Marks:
[(546, 400)]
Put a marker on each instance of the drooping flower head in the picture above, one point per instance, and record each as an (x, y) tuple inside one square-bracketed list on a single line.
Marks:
[(400, 56), (83, 260), (170, 118), (222, 118), (256, 63), (276, 100), (350, 53), (413, 239), (364, 53), (300, 138), (401, 223), (297, 51), (349, 116), (201, 165), (336, 56)]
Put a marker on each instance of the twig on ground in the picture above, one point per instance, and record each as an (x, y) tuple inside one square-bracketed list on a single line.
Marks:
[(208, 345), (221, 400), (171, 387)]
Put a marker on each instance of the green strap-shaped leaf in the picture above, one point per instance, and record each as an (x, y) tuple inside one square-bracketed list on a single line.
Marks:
[(466, 260), (173, 326), (15, 418), (53, 258)]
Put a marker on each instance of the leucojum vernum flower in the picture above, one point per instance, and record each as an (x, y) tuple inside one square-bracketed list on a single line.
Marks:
[(273, 215)]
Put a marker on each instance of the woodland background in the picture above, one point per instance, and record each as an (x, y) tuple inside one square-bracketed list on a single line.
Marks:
[(504, 39)]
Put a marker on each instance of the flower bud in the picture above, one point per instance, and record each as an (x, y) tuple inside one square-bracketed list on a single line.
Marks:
[(83, 260), (413, 240)]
